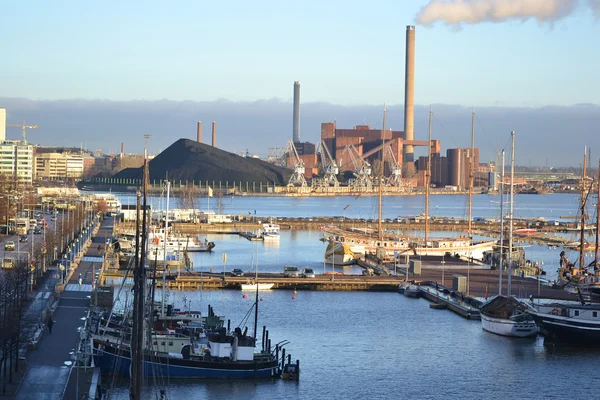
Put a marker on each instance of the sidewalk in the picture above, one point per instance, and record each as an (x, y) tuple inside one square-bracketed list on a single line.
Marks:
[(50, 362)]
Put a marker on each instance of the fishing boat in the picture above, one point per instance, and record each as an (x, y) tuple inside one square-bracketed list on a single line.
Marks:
[(340, 254), (270, 231), (507, 316)]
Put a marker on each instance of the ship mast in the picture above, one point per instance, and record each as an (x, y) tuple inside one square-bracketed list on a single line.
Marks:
[(471, 176), (596, 268), (427, 182), (501, 261), (510, 213), (583, 201), (137, 344), (380, 178)]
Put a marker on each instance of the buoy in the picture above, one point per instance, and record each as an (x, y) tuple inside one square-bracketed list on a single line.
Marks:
[(295, 292), (261, 299), (293, 297), (245, 296)]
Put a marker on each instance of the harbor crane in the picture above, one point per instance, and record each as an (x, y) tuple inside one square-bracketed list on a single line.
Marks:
[(362, 169), (330, 168), (297, 177), (24, 128), (395, 178)]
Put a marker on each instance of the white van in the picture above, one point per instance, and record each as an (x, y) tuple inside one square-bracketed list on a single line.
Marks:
[(291, 272)]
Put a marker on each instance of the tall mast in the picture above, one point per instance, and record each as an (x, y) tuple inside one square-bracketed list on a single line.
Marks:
[(471, 175), (138, 312), (380, 178), (427, 184), (583, 200), (596, 268), (510, 213), (135, 366), (164, 277), (501, 228)]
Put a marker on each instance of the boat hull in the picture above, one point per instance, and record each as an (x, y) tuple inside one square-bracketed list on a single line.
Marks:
[(252, 287), (111, 361), (508, 327), (566, 330), (340, 259)]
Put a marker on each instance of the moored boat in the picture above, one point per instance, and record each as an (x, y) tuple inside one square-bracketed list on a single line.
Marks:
[(270, 231), (507, 316), (568, 322), (251, 287), (339, 254)]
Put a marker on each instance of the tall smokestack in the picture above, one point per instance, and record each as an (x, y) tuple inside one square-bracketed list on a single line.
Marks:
[(199, 132), (122, 149), (214, 134), (296, 130), (409, 100)]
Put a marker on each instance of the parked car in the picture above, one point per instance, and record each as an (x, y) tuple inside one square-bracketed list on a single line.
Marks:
[(23, 238), (308, 273), (291, 272), (237, 272), (37, 230), (9, 245)]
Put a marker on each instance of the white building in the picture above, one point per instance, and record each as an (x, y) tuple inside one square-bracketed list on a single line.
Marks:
[(2, 124), (16, 161)]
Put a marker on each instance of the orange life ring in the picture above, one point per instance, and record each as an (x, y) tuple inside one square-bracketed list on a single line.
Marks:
[(556, 311), (156, 240)]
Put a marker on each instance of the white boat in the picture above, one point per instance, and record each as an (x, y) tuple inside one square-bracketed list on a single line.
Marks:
[(270, 231), (190, 243), (507, 316), (339, 254), (253, 287)]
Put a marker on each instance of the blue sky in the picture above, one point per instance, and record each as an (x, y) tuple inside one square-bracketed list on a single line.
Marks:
[(343, 52)]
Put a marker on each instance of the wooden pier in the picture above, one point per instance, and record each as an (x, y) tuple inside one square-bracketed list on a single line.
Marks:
[(213, 281)]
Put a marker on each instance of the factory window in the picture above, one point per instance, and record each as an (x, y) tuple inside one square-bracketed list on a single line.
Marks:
[(595, 314), (170, 343), (576, 313), (162, 343)]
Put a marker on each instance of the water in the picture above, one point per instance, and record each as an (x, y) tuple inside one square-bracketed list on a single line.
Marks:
[(549, 206), (363, 345)]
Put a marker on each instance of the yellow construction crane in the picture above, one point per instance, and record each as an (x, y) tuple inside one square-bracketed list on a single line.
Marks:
[(24, 128)]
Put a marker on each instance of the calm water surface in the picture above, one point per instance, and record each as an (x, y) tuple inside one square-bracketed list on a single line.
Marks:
[(382, 345), (364, 345)]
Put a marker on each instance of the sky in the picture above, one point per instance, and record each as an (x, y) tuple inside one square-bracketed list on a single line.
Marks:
[(527, 54)]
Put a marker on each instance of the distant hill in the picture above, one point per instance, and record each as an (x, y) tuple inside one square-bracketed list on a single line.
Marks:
[(192, 161)]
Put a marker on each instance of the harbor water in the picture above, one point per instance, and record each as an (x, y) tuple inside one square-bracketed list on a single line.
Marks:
[(358, 345)]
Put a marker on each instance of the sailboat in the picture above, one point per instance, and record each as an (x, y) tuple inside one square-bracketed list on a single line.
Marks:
[(361, 242), (570, 322), (255, 285), (505, 315)]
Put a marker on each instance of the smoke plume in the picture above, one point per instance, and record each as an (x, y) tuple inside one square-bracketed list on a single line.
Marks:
[(456, 12), (595, 6)]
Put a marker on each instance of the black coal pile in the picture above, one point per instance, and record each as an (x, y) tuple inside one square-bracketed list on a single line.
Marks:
[(188, 160)]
